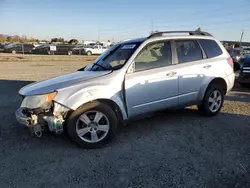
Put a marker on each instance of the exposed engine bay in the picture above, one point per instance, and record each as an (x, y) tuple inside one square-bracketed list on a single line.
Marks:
[(49, 117)]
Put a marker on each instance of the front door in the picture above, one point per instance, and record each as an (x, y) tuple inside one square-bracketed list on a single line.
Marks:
[(153, 84), (95, 50)]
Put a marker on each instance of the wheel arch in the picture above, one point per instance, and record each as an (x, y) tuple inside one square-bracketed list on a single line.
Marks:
[(219, 81)]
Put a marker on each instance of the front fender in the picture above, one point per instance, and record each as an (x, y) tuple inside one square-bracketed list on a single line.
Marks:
[(74, 98)]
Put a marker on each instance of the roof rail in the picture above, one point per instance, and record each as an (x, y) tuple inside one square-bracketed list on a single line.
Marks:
[(158, 34)]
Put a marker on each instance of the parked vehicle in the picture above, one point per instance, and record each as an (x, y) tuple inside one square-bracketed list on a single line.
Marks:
[(244, 76), (2, 46), (130, 79), (18, 48), (236, 54), (61, 49), (79, 49), (95, 50)]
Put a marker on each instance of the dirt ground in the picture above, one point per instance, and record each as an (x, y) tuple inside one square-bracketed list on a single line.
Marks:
[(171, 149), (37, 58)]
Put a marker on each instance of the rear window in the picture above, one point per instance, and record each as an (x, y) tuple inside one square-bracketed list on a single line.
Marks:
[(210, 47)]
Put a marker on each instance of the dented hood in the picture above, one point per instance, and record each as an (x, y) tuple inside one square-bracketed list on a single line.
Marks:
[(50, 85)]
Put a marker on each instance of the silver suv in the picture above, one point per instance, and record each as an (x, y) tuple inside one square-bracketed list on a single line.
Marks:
[(134, 77)]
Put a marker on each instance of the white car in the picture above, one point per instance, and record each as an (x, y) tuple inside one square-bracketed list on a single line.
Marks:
[(130, 79), (95, 50)]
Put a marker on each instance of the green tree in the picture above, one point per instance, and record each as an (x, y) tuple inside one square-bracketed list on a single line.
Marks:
[(15, 38), (198, 30), (9, 39), (23, 39), (60, 39), (73, 41), (54, 40), (2, 38)]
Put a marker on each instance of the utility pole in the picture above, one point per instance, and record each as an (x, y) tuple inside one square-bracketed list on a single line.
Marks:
[(98, 35), (241, 37), (152, 26)]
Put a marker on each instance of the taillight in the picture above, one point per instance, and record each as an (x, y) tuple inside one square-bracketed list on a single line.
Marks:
[(230, 62)]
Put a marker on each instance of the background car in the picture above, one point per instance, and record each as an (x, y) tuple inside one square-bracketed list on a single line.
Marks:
[(61, 49), (244, 76), (236, 54), (18, 48)]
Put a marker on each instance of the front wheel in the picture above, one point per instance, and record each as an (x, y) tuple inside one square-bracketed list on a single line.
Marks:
[(89, 53), (92, 125), (213, 101)]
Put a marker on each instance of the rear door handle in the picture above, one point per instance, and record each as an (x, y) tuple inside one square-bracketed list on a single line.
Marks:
[(207, 66), (171, 74)]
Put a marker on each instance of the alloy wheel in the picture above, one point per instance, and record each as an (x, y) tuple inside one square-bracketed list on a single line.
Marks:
[(92, 126)]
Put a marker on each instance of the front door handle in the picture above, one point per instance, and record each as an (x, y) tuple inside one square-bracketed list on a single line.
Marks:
[(207, 66), (171, 74)]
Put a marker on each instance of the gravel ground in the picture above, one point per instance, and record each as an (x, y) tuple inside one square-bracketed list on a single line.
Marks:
[(4, 57), (171, 149)]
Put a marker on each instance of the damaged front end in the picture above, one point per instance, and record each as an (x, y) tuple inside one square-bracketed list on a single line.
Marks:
[(48, 116)]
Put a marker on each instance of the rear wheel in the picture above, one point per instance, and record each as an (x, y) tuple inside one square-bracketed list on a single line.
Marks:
[(89, 53), (213, 100), (92, 125)]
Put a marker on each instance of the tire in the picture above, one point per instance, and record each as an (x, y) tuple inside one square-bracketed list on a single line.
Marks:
[(69, 52), (205, 107), (89, 53), (76, 124), (13, 51)]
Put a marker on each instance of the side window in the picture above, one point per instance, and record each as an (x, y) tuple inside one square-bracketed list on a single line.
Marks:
[(210, 47), (188, 50), (154, 55)]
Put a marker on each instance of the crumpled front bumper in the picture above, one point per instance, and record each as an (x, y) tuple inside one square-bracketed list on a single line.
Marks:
[(52, 119), (22, 118)]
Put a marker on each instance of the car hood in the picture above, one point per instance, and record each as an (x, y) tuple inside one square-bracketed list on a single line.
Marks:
[(50, 85)]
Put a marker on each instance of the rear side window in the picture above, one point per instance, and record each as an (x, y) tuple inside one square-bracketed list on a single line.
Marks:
[(210, 47), (188, 51)]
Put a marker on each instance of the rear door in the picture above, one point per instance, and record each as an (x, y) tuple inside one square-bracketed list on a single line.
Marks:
[(190, 70), (153, 84)]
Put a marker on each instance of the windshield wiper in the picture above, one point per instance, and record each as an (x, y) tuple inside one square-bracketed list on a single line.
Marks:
[(100, 66)]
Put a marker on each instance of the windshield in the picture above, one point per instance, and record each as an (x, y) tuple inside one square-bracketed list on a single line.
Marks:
[(114, 58)]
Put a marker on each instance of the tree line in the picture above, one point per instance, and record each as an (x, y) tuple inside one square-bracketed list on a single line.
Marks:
[(25, 39)]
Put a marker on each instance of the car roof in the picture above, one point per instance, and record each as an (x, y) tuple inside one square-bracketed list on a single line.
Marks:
[(129, 41)]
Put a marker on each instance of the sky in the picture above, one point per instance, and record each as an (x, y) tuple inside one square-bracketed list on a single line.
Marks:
[(123, 19)]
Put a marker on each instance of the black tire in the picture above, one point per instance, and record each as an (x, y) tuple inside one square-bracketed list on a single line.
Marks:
[(89, 53), (72, 123), (204, 107)]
